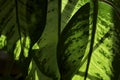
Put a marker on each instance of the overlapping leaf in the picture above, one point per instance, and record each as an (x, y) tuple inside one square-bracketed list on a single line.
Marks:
[(22, 17), (73, 41), (69, 8), (45, 59), (22, 22), (105, 48)]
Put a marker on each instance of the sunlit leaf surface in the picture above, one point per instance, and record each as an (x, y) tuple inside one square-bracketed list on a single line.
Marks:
[(105, 47), (73, 42)]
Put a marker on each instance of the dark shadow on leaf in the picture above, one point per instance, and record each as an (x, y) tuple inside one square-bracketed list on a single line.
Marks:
[(102, 40), (36, 18), (36, 14), (116, 45)]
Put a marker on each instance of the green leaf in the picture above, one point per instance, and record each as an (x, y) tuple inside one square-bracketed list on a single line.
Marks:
[(86, 42), (45, 58), (69, 8), (94, 9), (106, 46), (21, 18), (35, 73), (72, 43), (21, 25), (36, 13)]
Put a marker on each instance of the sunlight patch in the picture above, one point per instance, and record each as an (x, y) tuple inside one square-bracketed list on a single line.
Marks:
[(36, 75), (35, 46), (30, 67), (27, 46), (76, 77), (17, 50), (2, 41)]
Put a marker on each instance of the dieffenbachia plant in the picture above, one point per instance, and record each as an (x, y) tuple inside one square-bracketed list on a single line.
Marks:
[(62, 39)]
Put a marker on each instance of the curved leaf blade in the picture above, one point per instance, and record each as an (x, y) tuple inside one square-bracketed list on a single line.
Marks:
[(72, 43), (105, 46), (46, 57), (36, 15)]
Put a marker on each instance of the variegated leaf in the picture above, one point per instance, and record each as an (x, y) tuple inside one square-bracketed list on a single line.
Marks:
[(106, 51), (72, 44)]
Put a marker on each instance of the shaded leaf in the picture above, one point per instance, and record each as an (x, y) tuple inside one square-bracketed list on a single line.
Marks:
[(36, 18), (46, 57), (22, 23), (35, 73), (22, 17)]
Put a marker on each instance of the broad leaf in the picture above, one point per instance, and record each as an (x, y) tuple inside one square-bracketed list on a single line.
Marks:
[(45, 59), (72, 43), (105, 48)]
